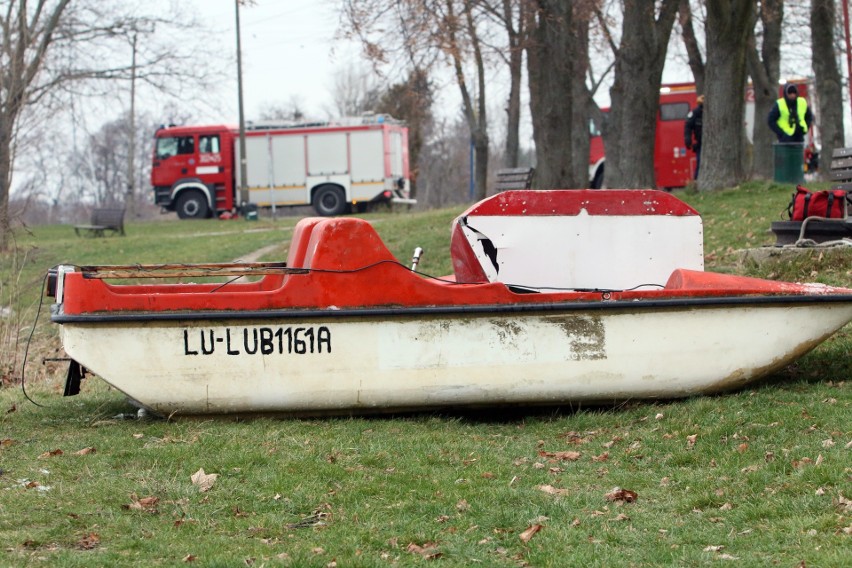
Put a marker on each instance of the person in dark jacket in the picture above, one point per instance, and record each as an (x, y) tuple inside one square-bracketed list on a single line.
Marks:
[(692, 131), (790, 117)]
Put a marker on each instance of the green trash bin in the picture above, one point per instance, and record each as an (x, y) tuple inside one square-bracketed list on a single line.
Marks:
[(789, 162)]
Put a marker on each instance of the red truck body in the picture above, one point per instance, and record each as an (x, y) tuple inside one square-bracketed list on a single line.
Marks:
[(674, 165), (331, 166)]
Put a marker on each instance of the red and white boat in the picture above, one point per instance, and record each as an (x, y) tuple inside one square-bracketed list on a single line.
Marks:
[(557, 296)]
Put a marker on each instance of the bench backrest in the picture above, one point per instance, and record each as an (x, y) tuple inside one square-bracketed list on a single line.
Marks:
[(841, 171), (513, 178), (112, 218)]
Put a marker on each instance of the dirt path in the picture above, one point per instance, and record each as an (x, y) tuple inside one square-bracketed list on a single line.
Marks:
[(255, 255)]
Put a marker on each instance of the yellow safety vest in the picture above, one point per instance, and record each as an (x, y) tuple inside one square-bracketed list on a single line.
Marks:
[(784, 121)]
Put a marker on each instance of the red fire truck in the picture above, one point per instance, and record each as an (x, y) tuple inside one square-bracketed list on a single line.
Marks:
[(674, 165), (332, 166)]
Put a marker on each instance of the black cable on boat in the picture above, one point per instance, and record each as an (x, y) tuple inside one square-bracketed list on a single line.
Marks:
[(29, 340), (518, 288)]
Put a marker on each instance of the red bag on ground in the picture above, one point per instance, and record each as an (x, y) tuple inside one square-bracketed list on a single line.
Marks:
[(828, 203)]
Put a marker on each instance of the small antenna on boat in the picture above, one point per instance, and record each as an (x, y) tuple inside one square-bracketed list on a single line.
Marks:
[(418, 252)]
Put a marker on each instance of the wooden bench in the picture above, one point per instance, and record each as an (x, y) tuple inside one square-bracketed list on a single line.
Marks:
[(817, 229), (103, 220), (513, 178)]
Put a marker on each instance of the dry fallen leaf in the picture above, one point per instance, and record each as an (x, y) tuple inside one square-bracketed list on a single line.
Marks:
[(726, 507), (429, 550), (566, 456), (51, 454), (621, 517), (601, 458), (88, 542), (690, 440), (147, 504), (712, 548), (623, 495), (85, 452), (551, 490), (189, 558), (204, 481), (462, 505), (527, 535), (742, 448), (5, 442)]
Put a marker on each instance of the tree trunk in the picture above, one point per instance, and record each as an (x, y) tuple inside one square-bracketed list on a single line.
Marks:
[(581, 97), (765, 69), (828, 81), (728, 25), (474, 109), (549, 66), (635, 93), (516, 56), (5, 181), (693, 51)]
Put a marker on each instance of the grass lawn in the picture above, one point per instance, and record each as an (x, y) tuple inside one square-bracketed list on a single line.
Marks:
[(759, 477)]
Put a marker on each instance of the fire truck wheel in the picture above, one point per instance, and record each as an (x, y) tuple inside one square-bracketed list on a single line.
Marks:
[(329, 200), (192, 205)]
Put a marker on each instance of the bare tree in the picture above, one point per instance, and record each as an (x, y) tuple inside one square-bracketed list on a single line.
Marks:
[(828, 79), (54, 50), (27, 36), (423, 32), (293, 110), (764, 67), (550, 68), (443, 164), (355, 91), (411, 101), (691, 43), (583, 105), (100, 165), (729, 23), (635, 92), (511, 15)]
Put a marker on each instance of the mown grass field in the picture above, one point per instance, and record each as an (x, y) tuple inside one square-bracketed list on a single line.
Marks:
[(760, 477)]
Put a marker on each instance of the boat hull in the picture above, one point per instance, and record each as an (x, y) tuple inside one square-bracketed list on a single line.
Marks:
[(368, 361)]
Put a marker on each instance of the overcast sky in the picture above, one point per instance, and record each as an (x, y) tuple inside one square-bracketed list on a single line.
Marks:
[(289, 50)]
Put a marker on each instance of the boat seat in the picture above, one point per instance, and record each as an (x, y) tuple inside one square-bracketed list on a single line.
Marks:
[(296, 254), (344, 243), (301, 239)]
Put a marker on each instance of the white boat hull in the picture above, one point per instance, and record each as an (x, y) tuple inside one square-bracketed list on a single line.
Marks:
[(379, 363)]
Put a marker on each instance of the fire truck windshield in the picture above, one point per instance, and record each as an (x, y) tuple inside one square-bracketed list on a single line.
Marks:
[(174, 145)]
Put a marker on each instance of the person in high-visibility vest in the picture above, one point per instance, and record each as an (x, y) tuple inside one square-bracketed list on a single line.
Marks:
[(790, 117)]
